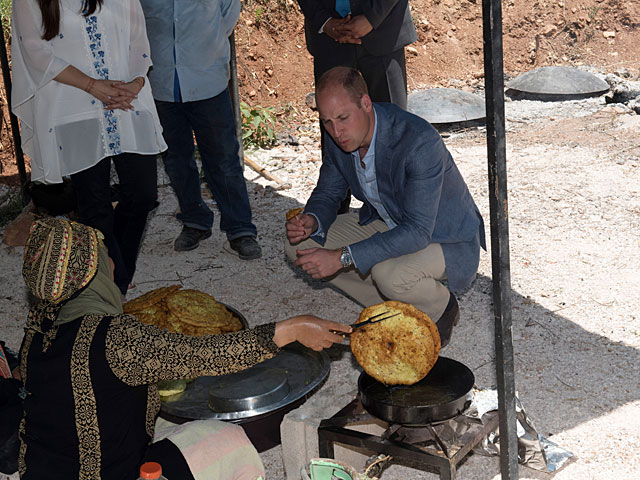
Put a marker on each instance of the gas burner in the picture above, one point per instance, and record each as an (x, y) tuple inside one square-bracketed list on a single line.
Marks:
[(440, 445)]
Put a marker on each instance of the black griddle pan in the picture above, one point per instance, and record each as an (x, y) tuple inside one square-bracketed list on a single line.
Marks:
[(444, 393)]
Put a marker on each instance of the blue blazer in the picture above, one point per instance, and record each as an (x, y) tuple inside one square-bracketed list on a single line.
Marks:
[(420, 187)]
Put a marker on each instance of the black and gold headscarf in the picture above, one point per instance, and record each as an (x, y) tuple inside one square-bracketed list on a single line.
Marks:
[(66, 267)]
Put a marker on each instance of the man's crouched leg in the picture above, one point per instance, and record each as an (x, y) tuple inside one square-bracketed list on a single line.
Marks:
[(417, 279)]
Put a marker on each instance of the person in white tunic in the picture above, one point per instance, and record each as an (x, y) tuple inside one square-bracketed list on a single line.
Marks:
[(81, 94)]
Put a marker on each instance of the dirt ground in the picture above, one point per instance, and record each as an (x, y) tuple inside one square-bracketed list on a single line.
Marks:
[(574, 223)]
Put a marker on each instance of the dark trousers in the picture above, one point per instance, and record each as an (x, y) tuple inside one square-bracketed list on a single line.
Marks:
[(123, 226), (212, 121)]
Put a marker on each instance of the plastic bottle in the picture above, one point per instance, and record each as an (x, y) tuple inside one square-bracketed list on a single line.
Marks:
[(151, 471)]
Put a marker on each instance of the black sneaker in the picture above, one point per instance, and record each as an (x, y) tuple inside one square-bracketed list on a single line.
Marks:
[(190, 238), (448, 320), (246, 247)]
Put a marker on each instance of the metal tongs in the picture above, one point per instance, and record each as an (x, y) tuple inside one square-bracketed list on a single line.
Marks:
[(368, 321), (374, 319)]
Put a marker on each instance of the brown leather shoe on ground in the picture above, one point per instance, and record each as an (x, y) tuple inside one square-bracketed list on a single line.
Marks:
[(448, 320)]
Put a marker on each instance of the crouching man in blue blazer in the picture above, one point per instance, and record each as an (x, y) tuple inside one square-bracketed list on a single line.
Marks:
[(418, 227)]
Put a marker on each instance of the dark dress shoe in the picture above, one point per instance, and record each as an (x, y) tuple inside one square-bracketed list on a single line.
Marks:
[(189, 238), (448, 320), (246, 247)]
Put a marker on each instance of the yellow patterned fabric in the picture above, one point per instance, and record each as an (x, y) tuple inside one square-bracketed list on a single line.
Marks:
[(60, 258), (85, 399)]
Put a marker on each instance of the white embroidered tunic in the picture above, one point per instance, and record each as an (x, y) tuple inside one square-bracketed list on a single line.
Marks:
[(64, 129)]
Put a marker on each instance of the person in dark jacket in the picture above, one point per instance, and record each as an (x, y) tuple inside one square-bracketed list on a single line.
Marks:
[(368, 35)]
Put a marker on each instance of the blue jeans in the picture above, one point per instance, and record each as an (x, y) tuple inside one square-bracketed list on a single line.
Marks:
[(212, 121)]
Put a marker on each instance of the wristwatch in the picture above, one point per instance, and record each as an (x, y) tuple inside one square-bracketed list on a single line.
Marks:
[(345, 258)]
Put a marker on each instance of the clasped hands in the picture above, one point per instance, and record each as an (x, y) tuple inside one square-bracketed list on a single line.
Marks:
[(348, 29), (115, 94), (317, 262)]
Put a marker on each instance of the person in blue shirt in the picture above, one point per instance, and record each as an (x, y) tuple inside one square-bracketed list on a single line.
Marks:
[(418, 228), (189, 79)]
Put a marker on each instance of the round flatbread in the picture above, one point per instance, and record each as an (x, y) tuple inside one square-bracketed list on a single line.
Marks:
[(400, 350), (293, 212), (148, 299), (197, 308), (171, 387), (153, 315), (233, 324), (177, 325)]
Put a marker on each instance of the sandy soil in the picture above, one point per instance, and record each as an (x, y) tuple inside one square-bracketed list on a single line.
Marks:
[(574, 204)]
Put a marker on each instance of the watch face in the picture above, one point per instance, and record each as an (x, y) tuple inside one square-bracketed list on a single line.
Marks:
[(345, 258)]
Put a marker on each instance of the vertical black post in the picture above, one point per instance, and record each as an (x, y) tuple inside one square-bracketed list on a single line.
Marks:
[(15, 129), (235, 94), (494, 96)]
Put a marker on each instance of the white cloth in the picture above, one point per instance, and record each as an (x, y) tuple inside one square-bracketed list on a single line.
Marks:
[(213, 449), (64, 129)]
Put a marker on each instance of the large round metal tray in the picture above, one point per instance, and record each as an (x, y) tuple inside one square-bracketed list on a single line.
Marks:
[(303, 369), (241, 392), (558, 80), (446, 105), (443, 394)]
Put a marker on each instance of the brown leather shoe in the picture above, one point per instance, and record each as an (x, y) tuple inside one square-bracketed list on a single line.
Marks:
[(448, 320)]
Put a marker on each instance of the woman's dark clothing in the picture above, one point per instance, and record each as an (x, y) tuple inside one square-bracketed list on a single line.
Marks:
[(123, 226), (92, 396)]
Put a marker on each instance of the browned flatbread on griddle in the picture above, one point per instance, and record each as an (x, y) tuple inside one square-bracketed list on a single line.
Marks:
[(150, 298), (397, 351), (293, 212)]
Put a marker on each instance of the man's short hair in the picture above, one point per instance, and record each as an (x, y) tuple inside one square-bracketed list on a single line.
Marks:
[(348, 78)]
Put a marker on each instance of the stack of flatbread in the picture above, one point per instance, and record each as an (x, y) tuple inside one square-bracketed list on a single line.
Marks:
[(190, 312), (400, 350)]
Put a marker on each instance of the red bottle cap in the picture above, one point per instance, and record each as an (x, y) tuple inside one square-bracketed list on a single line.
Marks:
[(150, 470)]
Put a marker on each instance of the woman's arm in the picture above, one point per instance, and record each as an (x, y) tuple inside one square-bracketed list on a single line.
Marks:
[(103, 90), (309, 330), (139, 354), (36, 64)]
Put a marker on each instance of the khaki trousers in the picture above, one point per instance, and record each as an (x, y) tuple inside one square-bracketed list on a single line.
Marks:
[(414, 278)]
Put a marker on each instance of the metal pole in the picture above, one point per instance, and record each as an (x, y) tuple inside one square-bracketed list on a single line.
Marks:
[(15, 128), (494, 96), (235, 95)]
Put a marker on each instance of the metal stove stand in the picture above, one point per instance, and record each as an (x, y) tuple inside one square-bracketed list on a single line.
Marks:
[(422, 450)]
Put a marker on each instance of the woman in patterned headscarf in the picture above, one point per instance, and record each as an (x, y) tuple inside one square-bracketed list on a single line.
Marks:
[(91, 372)]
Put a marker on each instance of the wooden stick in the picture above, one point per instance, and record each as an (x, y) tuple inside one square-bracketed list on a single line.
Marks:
[(263, 172)]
